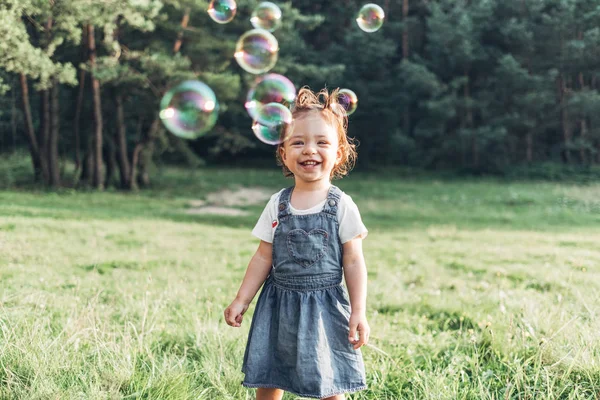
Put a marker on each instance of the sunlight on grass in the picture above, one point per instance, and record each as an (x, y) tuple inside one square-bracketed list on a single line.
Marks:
[(477, 290)]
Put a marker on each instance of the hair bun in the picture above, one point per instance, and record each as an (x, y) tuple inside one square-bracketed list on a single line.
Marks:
[(308, 100)]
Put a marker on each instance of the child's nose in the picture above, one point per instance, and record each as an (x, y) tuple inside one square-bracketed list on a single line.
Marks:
[(309, 149)]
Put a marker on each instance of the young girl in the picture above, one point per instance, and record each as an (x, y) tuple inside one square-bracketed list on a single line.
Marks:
[(303, 336)]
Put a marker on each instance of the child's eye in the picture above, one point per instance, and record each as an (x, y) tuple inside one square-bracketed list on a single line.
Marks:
[(323, 142), (296, 143)]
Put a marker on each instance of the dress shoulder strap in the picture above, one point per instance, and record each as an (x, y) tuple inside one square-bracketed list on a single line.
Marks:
[(333, 200), (283, 209)]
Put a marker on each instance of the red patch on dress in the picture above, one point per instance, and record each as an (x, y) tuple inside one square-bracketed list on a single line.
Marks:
[(274, 224)]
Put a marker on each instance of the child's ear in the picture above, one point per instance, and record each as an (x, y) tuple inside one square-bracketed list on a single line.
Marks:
[(282, 153), (339, 155)]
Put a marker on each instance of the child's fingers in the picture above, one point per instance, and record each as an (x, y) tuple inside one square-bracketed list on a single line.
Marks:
[(364, 332), (352, 334), (230, 319), (363, 338), (361, 341)]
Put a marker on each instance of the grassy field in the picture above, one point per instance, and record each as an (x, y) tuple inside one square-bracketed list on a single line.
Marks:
[(478, 289)]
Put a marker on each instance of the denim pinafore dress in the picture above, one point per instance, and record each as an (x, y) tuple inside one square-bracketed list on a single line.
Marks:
[(298, 339)]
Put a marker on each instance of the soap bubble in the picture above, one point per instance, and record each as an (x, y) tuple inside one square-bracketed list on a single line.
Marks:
[(266, 16), (256, 51), (272, 123), (348, 99), (370, 17), (222, 11), (270, 88), (189, 109)]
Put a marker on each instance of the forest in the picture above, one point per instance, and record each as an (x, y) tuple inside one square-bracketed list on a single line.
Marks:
[(470, 85)]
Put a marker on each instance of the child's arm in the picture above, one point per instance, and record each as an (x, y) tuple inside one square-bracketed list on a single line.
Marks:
[(355, 272), (256, 273)]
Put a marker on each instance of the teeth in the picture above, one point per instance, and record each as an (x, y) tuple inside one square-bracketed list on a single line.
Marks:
[(310, 163)]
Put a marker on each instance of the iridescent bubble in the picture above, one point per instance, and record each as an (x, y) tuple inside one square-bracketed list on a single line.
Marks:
[(348, 99), (272, 122), (270, 88), (222, 11), (267, 16), (256, 51), (370, 17), (189, 109)]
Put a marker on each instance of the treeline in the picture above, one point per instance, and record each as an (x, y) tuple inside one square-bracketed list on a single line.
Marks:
[(479, 85)]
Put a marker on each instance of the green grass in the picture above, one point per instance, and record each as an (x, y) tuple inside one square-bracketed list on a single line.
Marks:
[(478, 289)]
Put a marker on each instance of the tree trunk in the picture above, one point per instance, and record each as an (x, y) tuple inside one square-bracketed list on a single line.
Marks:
[(593, 83), (512, 148), (184, 23), (529, 141), (143, 163), (583, 125), (121, 141), (110, 155), (529, 134), (469, 120), (463, 140), (405, 55), (405, 8), (53, 167), (137, 152), (77, 121), (133, 185), (45, 133), (46, 120), (13, 120), (120, 137), (566, 127), (31, 138), (145, 160), (97, 176), (79, 106), (87, 166)]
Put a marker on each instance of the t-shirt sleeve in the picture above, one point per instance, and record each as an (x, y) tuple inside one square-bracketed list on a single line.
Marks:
[(264, 227), (351, 225)]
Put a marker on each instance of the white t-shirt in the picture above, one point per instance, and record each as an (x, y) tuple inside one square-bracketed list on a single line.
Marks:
[(349, 221)]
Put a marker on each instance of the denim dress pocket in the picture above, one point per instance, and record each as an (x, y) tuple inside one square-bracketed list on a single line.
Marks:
[(306, 248)]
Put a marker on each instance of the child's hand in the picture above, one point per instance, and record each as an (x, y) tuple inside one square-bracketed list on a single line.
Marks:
[(234, 313), (358, 322)]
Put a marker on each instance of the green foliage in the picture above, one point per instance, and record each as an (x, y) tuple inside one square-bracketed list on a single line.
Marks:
[(483, 85), (18, 55), (15, 170)]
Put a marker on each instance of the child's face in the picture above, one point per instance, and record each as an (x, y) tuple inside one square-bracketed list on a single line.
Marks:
[(312, 151)]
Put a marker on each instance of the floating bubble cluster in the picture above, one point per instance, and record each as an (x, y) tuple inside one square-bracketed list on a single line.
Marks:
[(271, 123), (270, 88), (257, 51), (222, 11), (189, 109), (266, 16), (370, 17), (348, 99)]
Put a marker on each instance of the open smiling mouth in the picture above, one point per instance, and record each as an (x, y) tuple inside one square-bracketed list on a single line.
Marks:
[(309, 163)]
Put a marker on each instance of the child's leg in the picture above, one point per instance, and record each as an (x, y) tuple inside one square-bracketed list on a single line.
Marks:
[(338, 397), (268, 394)]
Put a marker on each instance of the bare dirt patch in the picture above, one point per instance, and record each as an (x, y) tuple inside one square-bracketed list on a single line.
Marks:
[(225, 202), (212, 210)]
